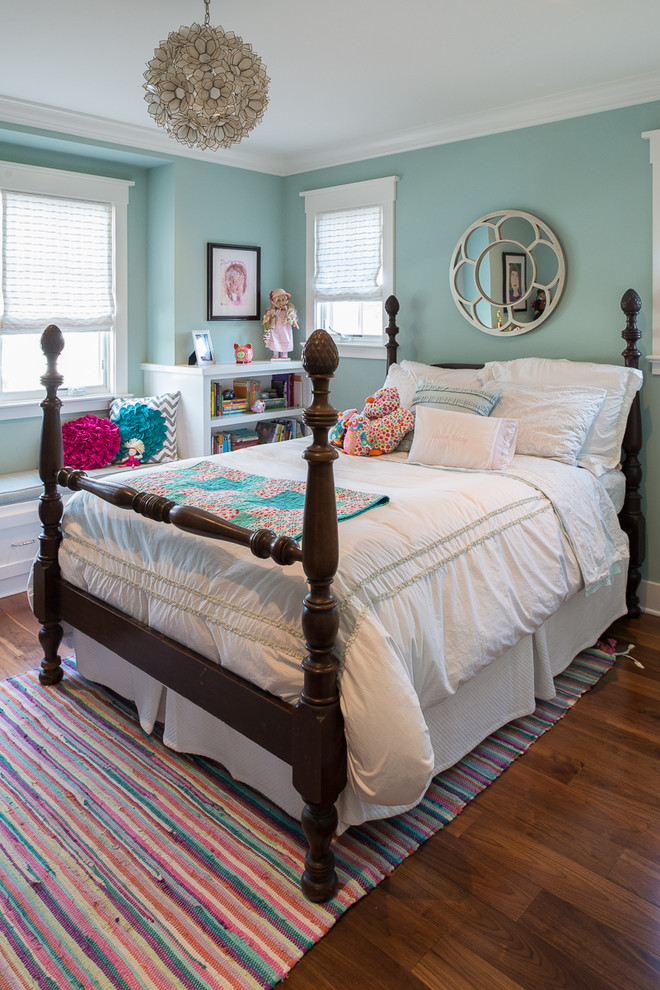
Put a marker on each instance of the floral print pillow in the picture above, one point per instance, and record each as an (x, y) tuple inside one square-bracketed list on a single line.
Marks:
[(147, 428)]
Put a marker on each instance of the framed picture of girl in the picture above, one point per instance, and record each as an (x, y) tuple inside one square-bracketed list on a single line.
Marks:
[(233, 282), (514, 281)]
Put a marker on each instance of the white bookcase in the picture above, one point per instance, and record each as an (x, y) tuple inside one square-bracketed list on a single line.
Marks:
[(195, 425)]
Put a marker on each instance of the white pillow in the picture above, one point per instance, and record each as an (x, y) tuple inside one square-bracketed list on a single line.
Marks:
[(553, 420), (602, 448), (462, 440), (468, 377), (404, 381)]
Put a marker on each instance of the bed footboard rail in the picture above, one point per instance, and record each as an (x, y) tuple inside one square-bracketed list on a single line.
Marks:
[(262, 543)]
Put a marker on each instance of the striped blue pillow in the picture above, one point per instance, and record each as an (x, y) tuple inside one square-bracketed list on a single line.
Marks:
[(467, 400)]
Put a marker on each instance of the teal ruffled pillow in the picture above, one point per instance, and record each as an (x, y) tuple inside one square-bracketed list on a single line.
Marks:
[(147, 428)]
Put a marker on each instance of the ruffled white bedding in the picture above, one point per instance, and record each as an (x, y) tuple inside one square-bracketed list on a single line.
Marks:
[(460, 572)]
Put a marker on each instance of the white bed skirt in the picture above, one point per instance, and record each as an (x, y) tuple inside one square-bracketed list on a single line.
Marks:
[(503, 690)]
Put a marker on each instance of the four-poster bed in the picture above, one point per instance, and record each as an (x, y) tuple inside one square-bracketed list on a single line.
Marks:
[(305, 711)]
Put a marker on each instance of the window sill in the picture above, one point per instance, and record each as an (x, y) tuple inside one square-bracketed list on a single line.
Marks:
[(369, 351), (31, 408)]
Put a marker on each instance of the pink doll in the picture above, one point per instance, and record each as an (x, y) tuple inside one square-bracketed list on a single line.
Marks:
[(279, 320), (134, 452)]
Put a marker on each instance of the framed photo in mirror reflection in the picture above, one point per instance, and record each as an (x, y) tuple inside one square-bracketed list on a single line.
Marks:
[(514, 281)]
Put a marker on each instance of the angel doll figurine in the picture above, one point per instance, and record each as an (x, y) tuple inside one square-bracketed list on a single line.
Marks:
[(278, 321)]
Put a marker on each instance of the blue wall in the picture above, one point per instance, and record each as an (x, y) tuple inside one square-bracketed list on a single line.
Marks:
[(589, 179)]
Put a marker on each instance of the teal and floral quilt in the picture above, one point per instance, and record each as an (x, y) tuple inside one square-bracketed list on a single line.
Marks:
[(249, 500)]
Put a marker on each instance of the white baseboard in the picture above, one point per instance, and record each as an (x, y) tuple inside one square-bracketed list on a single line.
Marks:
[(649, 597)]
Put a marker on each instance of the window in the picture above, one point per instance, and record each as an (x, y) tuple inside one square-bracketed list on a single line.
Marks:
[(63, 261), (350, 262)]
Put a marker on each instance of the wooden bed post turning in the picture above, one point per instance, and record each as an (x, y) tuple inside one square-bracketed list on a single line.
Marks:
[(631, 516), (46, 570), (391, 347), (319, 747)]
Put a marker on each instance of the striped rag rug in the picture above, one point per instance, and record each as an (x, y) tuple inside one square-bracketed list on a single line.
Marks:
[(126, 865)]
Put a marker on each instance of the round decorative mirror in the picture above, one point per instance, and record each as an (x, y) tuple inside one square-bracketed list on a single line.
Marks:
[(507, 273)]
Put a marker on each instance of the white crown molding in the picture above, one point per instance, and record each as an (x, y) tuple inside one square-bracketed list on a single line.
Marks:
[(575, 103), (134, 136)]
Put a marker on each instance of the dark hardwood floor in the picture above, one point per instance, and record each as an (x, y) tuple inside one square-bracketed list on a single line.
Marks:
[(549, 879)]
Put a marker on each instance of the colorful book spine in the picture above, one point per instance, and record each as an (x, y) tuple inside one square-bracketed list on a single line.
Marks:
[(297, 391), (283, 385)]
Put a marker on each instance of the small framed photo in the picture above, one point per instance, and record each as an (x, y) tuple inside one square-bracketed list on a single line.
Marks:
[(203, 347), (514, 281), (233, 282)]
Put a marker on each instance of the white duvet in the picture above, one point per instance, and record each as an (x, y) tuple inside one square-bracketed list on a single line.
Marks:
[(457, 568)]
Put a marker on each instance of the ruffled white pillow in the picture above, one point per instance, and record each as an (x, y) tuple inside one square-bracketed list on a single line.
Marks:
[(602, 447), (553, 420), (462, 440)]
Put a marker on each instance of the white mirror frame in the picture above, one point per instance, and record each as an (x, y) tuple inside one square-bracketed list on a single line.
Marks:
[(493, 223)]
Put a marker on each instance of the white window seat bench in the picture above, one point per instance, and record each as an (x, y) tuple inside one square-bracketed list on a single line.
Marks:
[(20, 526)]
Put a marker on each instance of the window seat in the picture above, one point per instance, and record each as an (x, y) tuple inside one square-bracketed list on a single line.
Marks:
[(20, 526), (26, 486)]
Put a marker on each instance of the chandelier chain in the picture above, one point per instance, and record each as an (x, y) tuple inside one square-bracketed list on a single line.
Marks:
[(207, 13)]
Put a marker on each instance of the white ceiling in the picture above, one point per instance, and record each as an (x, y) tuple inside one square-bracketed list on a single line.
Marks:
[(350, 79)]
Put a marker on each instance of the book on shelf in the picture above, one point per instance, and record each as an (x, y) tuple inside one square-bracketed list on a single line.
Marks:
[(244, 438), (248, 389), (297, 395), (283, 384), (232, 407), (275, 430), (234, 440)]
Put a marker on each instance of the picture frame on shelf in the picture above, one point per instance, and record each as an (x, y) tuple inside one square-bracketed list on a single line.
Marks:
[(203, 347), (514, 281), (233, 282)]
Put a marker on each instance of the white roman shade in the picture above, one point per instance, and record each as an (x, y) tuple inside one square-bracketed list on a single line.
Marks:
[(348, 260), (57, 263)]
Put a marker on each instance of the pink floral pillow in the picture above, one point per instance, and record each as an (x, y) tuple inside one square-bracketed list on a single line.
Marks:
[(90, 442)]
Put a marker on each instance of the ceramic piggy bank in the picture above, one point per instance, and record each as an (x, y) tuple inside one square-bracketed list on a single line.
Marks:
[(243, 353)]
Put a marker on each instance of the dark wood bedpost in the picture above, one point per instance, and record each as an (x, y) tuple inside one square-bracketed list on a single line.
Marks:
[(391, 308), (46, 569), (319, 746), (631, 516)]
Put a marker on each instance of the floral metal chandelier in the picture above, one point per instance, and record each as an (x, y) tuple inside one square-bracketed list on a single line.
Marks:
[(205, 86)]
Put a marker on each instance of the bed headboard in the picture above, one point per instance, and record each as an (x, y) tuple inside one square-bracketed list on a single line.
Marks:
[(631, 516)]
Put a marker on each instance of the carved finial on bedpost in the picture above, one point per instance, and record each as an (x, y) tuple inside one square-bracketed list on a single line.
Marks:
[(319, 748), (631, 516), (392, 309), (631, 305), (50, 511)]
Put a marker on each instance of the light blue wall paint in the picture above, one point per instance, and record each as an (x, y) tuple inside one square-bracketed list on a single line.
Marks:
[(221, 205), (161, 281), (588, 178)]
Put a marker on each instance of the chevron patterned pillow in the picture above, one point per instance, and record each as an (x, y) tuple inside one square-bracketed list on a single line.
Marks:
[(147, 428)]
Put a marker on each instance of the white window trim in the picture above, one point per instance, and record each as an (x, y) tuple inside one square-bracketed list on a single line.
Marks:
[(654, 144), (81, 185), (31, 408), (372, 192)]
